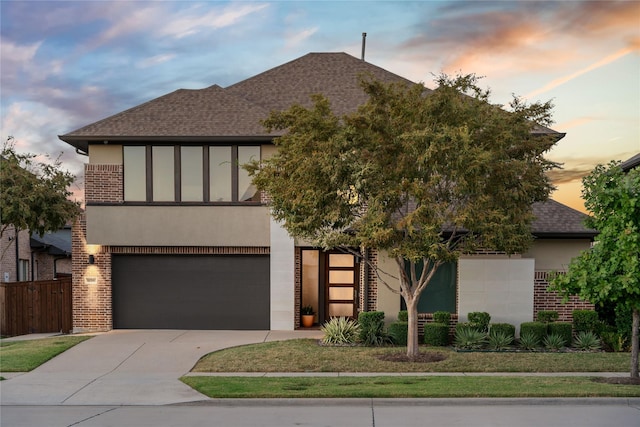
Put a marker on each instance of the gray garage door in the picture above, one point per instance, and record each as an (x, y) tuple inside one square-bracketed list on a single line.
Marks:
[(190, 292)]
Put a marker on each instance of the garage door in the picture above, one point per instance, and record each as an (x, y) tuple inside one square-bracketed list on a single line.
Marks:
[(190, 292)]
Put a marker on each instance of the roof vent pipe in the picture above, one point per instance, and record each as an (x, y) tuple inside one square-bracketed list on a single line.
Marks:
[(364, 42)]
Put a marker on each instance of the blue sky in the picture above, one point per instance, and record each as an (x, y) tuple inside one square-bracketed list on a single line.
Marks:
[(65, 64)]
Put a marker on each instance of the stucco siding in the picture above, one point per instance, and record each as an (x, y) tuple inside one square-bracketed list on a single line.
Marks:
[(502, 287), (388, 301), (555, 254), (106, 154), (178, 225)]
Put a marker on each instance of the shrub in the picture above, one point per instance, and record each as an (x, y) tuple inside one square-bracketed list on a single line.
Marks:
[(372, 331), (340, 330), (403, 316), (398, 332), (529, 340), (436, 334), (499, 340), (624, 315), (553, 342), (614, 341), (479, 320), (587, 341), (470, 338), (443, 317), (506, 328), (563, 329), (539, 329), (585, 321), (547, 316)]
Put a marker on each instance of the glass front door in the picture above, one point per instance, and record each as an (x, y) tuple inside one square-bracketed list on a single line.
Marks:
[(341, 290)]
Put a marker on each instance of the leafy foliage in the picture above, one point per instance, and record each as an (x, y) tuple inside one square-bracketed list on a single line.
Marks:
[(554, 342), (529, 340), (398, 332), (547, 316), (340, 330), (506, 328), (443, 317), (424, 175), (564, 329), (585, 321), (372, 330), (587, 341), (469, 339), (403, 316), (479, 320), (499, 340), (614, 341), (609, 272), (538, 329), (436, 334), (33, 194)]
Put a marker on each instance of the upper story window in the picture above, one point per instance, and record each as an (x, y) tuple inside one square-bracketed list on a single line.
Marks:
[(189, 173)]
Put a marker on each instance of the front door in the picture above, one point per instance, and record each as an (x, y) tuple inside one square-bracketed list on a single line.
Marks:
[(341, 285)]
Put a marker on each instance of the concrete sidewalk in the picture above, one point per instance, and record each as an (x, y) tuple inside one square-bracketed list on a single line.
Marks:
[(128, 367)]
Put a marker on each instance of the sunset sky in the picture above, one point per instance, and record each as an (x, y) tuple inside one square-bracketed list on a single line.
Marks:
[(65, 64)]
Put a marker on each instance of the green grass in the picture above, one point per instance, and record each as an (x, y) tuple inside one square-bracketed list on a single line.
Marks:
[(305, 355), (399, 387), (24, 356)]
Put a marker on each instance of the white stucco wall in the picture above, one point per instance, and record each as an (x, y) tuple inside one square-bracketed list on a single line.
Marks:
[(388, 301), (555, 254), (282, 276), (502, 287)]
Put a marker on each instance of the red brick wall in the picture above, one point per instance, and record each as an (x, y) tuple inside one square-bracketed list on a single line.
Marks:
[(545, 300), (103, 183)]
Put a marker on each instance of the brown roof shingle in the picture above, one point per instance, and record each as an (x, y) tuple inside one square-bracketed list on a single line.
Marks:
[(553, 219)]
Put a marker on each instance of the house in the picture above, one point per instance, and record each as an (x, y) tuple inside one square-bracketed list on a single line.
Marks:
[(631, 163), (27, 258), (176, 236)]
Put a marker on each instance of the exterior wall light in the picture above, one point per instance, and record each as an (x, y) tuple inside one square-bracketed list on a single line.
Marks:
[(92, 260)]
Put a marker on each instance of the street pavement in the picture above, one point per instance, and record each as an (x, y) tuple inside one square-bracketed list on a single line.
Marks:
[(130, 378)]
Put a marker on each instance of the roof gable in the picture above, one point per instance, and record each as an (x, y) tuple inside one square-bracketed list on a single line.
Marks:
[(553, 219)]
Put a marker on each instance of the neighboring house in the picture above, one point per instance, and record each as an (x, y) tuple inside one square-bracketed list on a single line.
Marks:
[(176, 236), (36, 258), (631, 163)]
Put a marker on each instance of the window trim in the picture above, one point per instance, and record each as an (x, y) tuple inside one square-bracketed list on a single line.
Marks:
[(206, 200)]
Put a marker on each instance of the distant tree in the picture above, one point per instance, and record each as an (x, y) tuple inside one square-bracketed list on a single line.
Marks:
[(34, 195), (423, 175), (609, 272)]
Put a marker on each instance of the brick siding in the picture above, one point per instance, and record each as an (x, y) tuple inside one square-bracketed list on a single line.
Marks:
[(546, 300), (103, 183)]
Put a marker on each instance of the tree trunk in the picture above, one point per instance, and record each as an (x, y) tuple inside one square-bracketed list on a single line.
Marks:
[(413, 349), (635, 344)]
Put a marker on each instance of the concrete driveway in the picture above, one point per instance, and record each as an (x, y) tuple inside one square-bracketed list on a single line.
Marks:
[(128, 367)]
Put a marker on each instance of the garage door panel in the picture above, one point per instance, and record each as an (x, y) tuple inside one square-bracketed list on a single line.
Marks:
[(190, 292)]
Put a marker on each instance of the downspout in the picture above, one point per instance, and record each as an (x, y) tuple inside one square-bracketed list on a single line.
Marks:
[(17, 230)]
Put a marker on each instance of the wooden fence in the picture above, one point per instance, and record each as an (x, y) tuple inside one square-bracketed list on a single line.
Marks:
[(36, 307)]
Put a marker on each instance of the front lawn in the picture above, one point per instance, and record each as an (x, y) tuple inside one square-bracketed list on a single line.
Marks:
[(306, 355), (24, 356), (400, 387)]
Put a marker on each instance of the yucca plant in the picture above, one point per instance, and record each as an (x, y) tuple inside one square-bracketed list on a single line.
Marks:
[(553, 342), (499, 340), (529, 340), (340, 330), (470, 339), (587, 341)]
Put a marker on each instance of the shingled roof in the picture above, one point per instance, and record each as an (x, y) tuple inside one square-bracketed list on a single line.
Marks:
[(216, 113), (555, 220)]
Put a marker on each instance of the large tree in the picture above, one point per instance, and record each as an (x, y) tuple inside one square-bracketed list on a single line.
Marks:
[(609, 272), (422, 175), (34, 195)]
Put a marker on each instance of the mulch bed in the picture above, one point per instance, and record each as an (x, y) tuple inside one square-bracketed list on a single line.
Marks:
[(421, 358), (618, 380)]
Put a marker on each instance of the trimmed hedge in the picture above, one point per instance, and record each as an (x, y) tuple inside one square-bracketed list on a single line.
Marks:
[(585, 321), (548, 316), (443, 317), (538, 329), (398, 332), (479, 320), (372, 330), (403, 316), (436, 334), (506, 328), (562, 329)]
